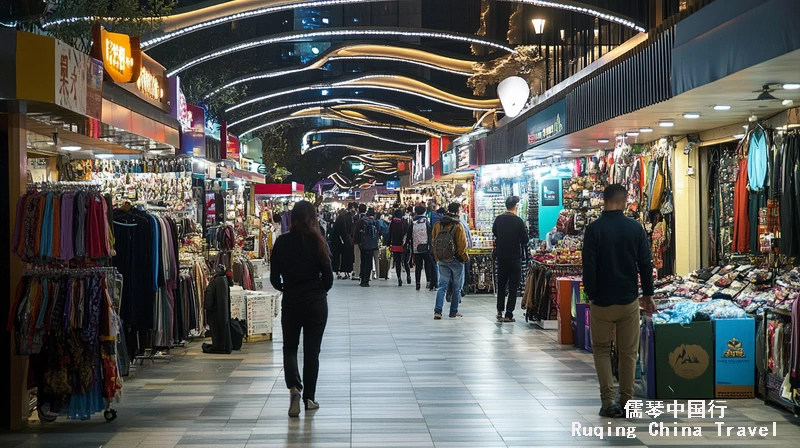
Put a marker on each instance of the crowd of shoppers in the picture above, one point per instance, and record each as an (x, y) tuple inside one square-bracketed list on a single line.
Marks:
[(616, 258)]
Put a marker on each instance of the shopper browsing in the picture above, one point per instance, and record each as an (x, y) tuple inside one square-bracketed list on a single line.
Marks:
[(301, 269), (510, 243), (367, 241), (616, 253), (420, 235), (450, 251)]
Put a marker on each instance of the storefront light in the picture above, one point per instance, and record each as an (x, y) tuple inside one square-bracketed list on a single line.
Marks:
[(632, 133), (738, 136), (602, 140), (722, 107), (791, 86), (71, 148), (666, 124), (691, 115), (103, 156), (645, 129)]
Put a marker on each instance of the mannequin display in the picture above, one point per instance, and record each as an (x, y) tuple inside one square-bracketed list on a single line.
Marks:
[(218, 312)]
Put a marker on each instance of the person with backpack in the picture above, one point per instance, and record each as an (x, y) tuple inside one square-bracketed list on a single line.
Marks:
[(510, 244), (419, 233), (450, 252), (397, 245), (359, 211), (367, 240)]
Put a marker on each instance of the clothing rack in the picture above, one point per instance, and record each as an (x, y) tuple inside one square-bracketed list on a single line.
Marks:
[(65, 186)]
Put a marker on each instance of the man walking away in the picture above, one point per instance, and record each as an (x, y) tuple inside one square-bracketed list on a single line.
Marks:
[(419, 233), (359, 211), (450, 251), (367, 236), (510, 243), (398, 232), (616, 253)]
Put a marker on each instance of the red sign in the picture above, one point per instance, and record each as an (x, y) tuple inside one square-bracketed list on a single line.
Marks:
[(229, 144)]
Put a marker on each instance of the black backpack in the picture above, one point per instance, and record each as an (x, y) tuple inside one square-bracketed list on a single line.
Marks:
[(369, 234)]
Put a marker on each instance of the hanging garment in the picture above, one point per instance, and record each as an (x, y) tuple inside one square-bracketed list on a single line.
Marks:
[(790, 199), (757, 159), (741, 221), (218, 310)]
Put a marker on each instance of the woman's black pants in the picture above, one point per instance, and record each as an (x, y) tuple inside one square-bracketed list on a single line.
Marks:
[(310, 317)]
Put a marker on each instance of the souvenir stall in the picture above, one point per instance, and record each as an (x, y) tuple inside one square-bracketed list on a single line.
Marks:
[(441, 194), (273, 204)]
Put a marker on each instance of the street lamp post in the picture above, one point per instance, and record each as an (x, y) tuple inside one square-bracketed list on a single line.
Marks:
[(538, 28)]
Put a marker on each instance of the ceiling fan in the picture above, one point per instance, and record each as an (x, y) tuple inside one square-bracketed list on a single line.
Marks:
[(765, 94)]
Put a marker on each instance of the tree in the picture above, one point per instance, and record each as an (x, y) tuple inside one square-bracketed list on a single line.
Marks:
[(131, 17), (527, 63)]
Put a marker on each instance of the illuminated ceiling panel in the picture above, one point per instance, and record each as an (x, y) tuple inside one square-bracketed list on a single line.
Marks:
[(376, 32), (395, 83), (336, 116), (309, 104), (305, 147), (375, 52)]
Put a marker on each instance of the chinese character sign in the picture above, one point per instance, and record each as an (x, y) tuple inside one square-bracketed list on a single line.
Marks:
[(71, 77), (120, 53)]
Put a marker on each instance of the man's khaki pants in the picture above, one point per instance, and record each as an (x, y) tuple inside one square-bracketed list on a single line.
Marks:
[(604, 319)]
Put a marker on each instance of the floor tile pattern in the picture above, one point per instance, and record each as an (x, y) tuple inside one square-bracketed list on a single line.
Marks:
[(391, 376)]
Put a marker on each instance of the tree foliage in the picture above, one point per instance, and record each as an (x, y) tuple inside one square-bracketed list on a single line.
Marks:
[(133, 17)]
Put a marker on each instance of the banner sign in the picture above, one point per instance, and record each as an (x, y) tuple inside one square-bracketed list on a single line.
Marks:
[(193, 140), (94, 89), (152, 85), (547, 124), (71, 72)]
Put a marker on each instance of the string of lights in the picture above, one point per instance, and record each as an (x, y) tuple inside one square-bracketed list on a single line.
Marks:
[(383, 126), (337, 32), (584, 9), (305, 146)]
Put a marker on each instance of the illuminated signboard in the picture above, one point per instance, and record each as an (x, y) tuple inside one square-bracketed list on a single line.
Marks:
[(120, 53), (150, 85)]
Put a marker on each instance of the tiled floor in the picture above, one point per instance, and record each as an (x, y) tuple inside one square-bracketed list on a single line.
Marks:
[(391, 376)]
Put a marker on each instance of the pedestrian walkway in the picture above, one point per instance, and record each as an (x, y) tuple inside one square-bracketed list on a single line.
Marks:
[(390, 376)]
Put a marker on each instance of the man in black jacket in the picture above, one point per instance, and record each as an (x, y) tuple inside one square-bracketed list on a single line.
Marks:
[(616, 254), (510, 243)]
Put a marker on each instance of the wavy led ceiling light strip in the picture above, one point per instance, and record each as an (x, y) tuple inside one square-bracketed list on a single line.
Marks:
[(336, 32), (357, 148), (582, 8), (311, 103), (353, 117), (354, 122), (395, 83), (305, 146), (410, 117), (363, 52)]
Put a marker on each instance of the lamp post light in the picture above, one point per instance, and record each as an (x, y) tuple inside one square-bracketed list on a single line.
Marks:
[(538, 26)]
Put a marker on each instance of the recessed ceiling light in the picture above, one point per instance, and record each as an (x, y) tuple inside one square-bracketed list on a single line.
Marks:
[(666, 124), (792, 126), (691, 115), (103, 156), (722, 107), (646, 130), (632, 133), (791, 86), (602, 140), (566, 152), (49, 143), (315, 50), (575, 149), (738, 136), (70, 148), (787, 103)]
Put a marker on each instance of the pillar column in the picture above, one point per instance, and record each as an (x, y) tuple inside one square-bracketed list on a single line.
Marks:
[(13, 374), (687, 211)]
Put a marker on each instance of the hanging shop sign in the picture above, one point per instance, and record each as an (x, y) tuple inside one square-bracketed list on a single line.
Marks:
[(193, 140), (466, 156), (152, 85), (449, 162), (72, 68), (231, 150), (422, 171), (177, 103), (120, 53), (94, 89), (547, 124)]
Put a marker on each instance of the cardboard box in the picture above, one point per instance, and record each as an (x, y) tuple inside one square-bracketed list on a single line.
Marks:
[(734, 358), (684, 360)]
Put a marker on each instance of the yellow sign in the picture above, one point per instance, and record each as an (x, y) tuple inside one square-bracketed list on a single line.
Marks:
[(689, 361), (120, 53)]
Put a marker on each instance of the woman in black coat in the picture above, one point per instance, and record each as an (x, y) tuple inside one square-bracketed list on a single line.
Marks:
[(301, 269), (342, 245), (397, 245), (217, 303)]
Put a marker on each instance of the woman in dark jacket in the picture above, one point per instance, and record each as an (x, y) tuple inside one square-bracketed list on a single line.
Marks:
[(301, 269), (342, 245), (217, 303), (397, 242)]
